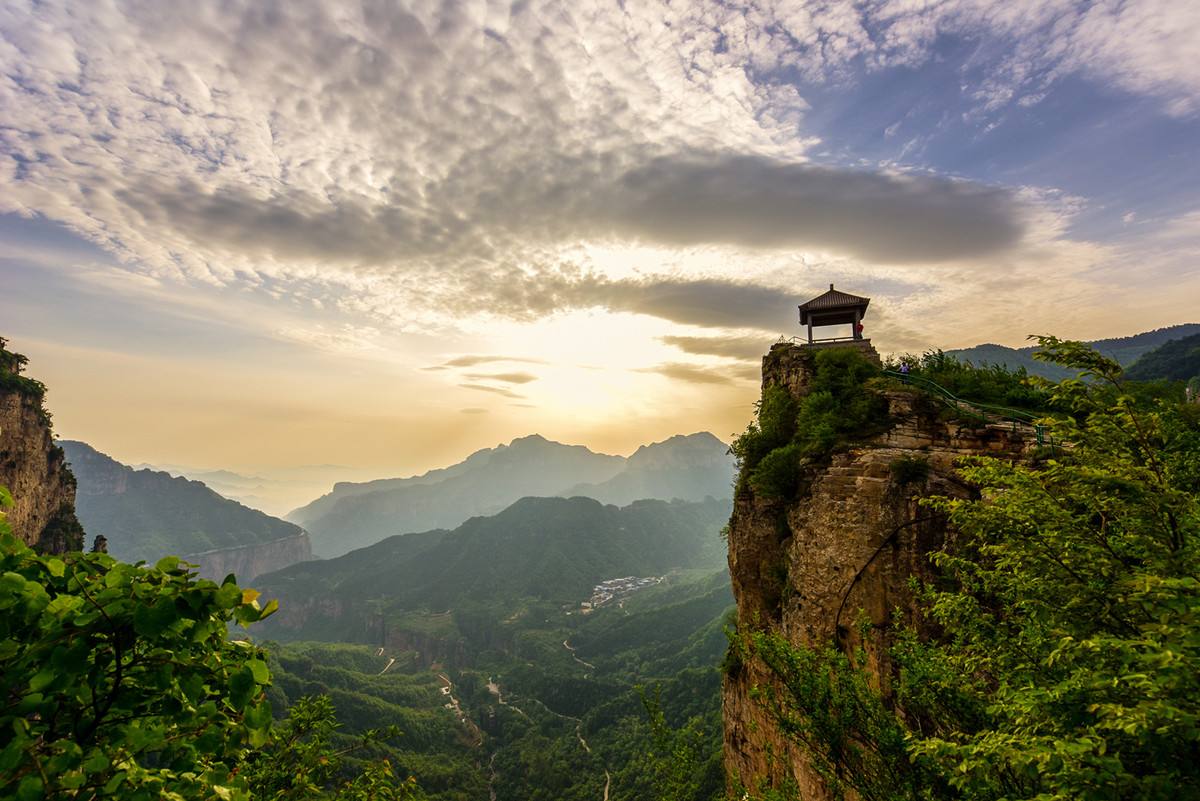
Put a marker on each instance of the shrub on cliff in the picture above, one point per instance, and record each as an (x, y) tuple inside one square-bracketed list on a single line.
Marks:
[(788, 432), (988, 383)]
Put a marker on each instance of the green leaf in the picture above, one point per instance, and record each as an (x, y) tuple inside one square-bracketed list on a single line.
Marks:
[(150, 621), (258, 669), (167, 564), (242, 688), (30, 789), (258, 720), (229, 596), (42, 679), (96, 763), (12, 582)]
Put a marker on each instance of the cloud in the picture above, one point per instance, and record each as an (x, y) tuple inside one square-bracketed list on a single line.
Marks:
[(755, 202), (507, 378), (494, 390), (473, 360), (747, 201), (473, 410), (693, 374), (733, 347), (297, 144), (411, 164)]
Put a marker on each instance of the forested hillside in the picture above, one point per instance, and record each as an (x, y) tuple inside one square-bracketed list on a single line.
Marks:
[(549, 550), (560, 716), (1177, 360)]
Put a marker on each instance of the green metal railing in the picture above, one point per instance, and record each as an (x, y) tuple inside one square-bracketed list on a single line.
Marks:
[(982, 412)]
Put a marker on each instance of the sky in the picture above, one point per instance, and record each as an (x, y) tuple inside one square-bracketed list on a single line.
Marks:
[(258, 234)]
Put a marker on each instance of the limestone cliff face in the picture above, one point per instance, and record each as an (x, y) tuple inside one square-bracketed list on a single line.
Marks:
[(846, 547), (249, 561), (35, 472)]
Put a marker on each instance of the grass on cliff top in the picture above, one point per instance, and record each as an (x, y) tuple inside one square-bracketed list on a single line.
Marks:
[(841, 407)]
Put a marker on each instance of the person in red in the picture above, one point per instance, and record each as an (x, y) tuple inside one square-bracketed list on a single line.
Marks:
[(858, 329)]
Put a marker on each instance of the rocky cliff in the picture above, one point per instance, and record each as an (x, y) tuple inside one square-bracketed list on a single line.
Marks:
[(813, 567), (252, 560), (31, 467)]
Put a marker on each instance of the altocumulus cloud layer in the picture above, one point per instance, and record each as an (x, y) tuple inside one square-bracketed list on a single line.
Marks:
[(418, 155)]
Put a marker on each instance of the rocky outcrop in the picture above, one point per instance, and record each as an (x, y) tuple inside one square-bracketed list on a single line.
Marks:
[(812, 568), (443, 649), (34, 469), (249, 561)]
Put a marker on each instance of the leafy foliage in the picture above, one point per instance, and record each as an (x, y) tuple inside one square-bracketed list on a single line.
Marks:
[(120, 681), (1074, 619), (828, 704), (302, 763), (684, 762)]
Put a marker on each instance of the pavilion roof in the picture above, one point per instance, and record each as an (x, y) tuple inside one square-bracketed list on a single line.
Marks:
[(834, 299)]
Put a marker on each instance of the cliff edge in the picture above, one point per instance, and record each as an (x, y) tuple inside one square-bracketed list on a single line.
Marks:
[(32, 468), (813, 567)]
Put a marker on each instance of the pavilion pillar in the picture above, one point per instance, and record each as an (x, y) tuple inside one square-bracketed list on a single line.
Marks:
[(810, 341), (857, 322)]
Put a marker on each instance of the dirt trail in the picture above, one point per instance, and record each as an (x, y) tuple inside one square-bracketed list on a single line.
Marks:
[(569, 647), (494, 689), (456, 708)]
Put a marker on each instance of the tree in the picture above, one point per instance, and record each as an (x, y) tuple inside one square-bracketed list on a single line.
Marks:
[(120, 680), (300, 763), (1073, 622)]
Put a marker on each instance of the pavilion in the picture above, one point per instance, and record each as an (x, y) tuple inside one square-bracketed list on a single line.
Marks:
[(834, 308)]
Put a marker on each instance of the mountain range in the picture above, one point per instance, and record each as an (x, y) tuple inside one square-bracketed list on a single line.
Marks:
[(355, 515), (1125, 350)]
